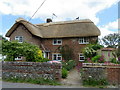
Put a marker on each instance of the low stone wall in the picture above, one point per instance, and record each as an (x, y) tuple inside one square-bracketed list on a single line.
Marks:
[(110, 72), (31, 70)]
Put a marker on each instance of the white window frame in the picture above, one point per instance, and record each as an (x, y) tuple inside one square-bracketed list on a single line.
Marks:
[(18, 38), (57, 56), (83, 40), (81, 56), (57, 40), (18, 58)]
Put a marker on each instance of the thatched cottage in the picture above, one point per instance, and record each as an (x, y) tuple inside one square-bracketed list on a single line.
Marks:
[(51, 35)]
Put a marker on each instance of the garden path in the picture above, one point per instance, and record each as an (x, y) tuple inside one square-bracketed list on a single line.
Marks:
[(73, 78)]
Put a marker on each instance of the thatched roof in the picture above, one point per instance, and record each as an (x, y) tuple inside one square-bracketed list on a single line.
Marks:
[(75, 28)]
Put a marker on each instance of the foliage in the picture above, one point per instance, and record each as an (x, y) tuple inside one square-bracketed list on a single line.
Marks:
[(98, 59), (113, 60), (91, 50), (111, 40), (118, 52), (93, 82), (14, 49), (69, 64), (40, 81), (64, 73), (66, 52)]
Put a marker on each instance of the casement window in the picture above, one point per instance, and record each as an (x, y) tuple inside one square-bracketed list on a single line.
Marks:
[(57, 56), (19, 38), (18, 58), (83, 40), (57, 41), (81, 57)]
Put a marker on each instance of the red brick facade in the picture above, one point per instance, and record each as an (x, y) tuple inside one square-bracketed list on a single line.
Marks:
[(48, 42)]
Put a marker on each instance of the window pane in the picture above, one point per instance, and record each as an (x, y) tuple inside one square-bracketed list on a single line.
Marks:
[(55, 57), (59, 42), (59, 58), (20, 39), (59, 55), (55, 41), (81, 57)]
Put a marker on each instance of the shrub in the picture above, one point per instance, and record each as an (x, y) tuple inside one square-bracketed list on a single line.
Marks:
[(69, 65), (113, 60), (94, 82), (64, 73), (98, 58), (91, 50)]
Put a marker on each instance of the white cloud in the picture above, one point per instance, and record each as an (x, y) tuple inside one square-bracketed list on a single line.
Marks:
[(112, 25), (110, 28), (62, 8)]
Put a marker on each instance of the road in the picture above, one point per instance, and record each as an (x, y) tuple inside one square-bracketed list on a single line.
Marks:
[(26, 85)]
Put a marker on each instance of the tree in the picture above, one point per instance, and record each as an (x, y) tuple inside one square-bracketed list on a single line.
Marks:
[(14, 49), (111, 40), (91, 50), (66, 52)]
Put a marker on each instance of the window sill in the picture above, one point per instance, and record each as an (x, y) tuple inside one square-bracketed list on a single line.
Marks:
[(83, 43), (81, 60), (57, 44)]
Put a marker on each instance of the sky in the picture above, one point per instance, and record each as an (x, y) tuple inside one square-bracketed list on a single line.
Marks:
[(104, 13)]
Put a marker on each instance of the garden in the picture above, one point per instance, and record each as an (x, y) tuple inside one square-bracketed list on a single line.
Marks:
[(96, 69)]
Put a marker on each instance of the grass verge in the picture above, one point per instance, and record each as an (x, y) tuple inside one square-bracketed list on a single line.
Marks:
[(40, 81)]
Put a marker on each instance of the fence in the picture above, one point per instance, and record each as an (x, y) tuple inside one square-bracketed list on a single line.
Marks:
[(111, 72), (31, 70)]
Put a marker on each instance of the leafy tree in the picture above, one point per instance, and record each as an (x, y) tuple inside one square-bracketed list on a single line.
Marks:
[(14, 49), (91, 50), (66, 52), (111, 40)]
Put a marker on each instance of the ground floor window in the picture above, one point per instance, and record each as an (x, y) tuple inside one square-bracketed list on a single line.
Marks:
[(81, 57), (46, 55), (18, 58), (56, 56)]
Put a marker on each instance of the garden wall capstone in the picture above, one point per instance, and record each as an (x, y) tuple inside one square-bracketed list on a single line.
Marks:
[(31, 70), (108, 71)]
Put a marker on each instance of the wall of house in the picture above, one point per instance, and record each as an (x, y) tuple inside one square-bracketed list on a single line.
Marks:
[(21, 30), (31, 70), (71, 42)]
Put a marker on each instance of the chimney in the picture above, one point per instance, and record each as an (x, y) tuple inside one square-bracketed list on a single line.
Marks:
[(48, 20)]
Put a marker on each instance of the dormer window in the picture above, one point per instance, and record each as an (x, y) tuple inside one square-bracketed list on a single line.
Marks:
[(83, 40), (57, 41), (19, 38)]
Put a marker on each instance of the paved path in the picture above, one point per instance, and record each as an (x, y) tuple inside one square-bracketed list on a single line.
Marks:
[(73, 78)]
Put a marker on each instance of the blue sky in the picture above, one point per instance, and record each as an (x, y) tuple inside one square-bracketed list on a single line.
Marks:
[(103, 13)]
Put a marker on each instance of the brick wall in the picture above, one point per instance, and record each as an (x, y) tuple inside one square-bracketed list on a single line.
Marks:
[(21, 30), (31, 70), (71, 42), (98, 71)]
